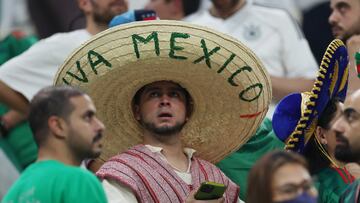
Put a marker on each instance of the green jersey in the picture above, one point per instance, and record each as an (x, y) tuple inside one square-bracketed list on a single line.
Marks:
[(12, 46), (351, 194), (54, 182), (237, 165), (331, 182), (19, 144)]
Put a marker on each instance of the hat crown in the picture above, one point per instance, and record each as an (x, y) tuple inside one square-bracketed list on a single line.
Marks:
[(296, 115)]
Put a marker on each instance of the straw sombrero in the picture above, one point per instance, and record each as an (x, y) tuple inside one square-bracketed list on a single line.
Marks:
[(295, 117), (230, 88)]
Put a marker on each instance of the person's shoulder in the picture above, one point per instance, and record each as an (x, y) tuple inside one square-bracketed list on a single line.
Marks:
[(272, 16), (73, 35), (200, 18), (76, 172), (62, 171), (77, 177), (205, 163), (195, 16), (270, 11), (277, 19), (59, 41)]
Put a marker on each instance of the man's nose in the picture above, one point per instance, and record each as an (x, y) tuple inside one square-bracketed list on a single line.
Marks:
[(333, 18), (164, 100), (338, 125), (99, 125)]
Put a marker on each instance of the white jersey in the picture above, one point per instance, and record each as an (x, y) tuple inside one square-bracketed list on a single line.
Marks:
[(272, 35), (36, 67)]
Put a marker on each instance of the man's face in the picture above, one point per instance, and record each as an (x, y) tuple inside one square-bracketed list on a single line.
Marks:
[(84, 129), (225, 5), (162, 108), (105, 10), (347, 129), (345, 18), (163, 8)]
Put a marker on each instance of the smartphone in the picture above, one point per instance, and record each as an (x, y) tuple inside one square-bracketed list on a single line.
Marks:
[(210, 190)]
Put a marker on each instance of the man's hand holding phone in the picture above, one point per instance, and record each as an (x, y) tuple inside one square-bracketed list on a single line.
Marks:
[(207, 192)]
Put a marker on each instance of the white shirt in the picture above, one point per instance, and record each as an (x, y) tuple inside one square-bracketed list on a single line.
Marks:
[(273, 36), (36, 67), (118, 193)]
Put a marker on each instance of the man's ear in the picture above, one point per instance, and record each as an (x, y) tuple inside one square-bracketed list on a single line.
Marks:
[(85, 5), (136, 110), (320, 135), (57, 126)]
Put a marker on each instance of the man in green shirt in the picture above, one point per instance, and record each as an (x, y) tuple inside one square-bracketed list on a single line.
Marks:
[(67, 131), (347, 128)]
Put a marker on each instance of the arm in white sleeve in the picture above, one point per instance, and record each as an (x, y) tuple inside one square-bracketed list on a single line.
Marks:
[(118, 193)]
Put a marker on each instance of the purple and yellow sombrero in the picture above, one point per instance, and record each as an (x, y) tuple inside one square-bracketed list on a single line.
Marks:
[(295, 117)]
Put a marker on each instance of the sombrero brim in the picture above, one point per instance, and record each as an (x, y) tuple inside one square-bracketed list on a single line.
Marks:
[(296, 116), (230, 88)]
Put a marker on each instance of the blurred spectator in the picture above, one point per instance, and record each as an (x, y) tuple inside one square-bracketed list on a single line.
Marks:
[(14, 16), (289, 5), (67, 131), (304, 120), (14, 44), (347, 128), (23, 76), (11, 46), (345, 24), (173, 9), (54, 16), (274, 38), (281, 177)]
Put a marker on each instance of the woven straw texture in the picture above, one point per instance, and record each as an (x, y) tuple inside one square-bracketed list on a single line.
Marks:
[(230, 88)]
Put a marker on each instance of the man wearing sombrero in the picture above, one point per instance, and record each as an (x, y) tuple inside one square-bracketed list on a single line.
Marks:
[(165, 89), (304, 122)]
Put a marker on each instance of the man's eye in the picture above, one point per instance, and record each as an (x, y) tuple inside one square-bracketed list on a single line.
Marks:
[(342, 8), (174, 94), (88, 117), (154, 94), (349, 116)]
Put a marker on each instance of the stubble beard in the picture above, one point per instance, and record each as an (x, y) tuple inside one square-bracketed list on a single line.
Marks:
[(103, 17), (221, 7), (82, 151), (354, 30), (164, 131), (344, 152)]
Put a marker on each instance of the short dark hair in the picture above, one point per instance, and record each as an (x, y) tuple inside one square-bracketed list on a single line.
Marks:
[(190, 6), (50, 101), (188, 98), (261, 175), (328, 114)]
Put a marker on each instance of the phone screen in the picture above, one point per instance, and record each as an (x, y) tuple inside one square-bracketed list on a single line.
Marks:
[(210, 190)]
